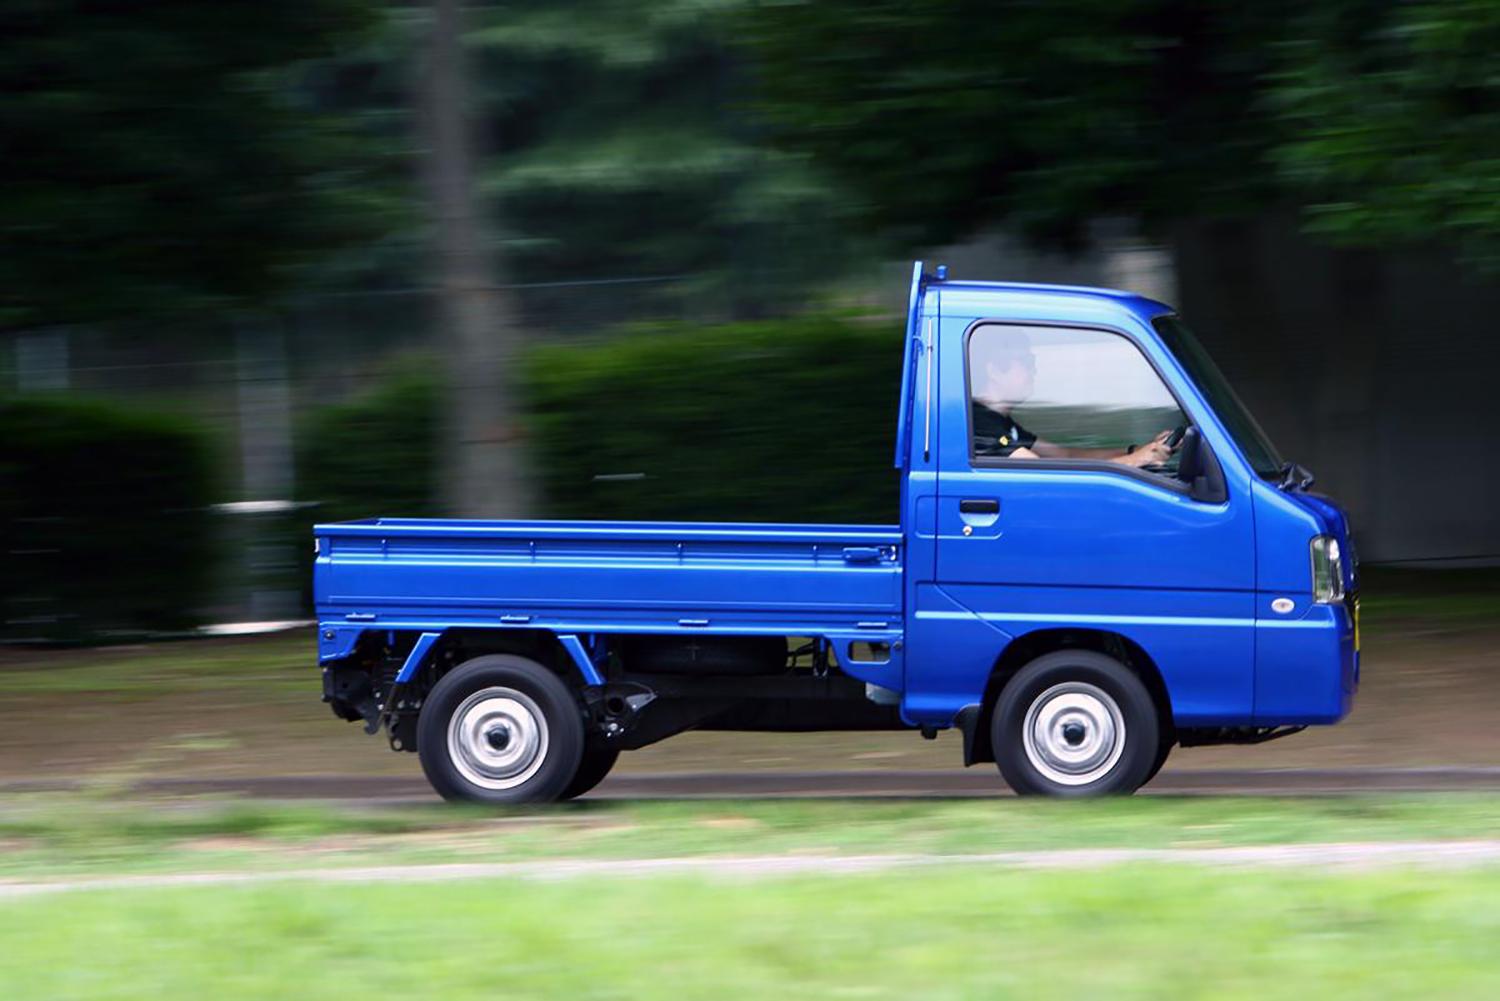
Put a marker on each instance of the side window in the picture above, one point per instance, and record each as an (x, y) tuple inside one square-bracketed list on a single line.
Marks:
[(1067, 393)]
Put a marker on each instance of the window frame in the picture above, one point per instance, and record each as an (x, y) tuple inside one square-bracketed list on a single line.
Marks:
[(1212, 371), (1172, 484)]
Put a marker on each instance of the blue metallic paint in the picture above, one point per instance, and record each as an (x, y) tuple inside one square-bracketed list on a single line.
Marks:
[(415, 658), (581, 658), (1307, 669), (1073, 547), (908, 371)]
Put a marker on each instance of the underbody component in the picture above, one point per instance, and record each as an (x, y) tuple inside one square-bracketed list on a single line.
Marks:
[(1204, 736), (643, 709)]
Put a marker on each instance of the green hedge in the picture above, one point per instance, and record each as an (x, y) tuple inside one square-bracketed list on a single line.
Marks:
[(376, 454), (105, 518), (784, 420)]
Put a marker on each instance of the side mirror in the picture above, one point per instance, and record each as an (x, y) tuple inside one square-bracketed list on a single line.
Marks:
[(1199, 468)]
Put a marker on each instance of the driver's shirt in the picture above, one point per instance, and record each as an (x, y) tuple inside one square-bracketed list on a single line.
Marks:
[(998, 434)]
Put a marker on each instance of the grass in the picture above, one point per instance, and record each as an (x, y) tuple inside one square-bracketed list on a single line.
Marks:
[(1397, 596), (47, 837), (282, 661), (1131, 932), (981, 932)]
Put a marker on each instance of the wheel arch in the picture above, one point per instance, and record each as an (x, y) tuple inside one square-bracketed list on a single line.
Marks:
[(422, 655), (975, 720), (458, 644)]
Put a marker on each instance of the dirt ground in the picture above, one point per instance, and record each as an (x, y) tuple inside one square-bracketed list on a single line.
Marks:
[(1429, 697)]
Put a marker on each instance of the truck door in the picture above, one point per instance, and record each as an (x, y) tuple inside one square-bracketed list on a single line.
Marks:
[(1039, 526)]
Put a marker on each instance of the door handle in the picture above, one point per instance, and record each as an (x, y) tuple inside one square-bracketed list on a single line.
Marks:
[(861, 554), (979, 505)]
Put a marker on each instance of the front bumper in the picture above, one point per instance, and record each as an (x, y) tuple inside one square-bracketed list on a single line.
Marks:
[(1307, 669)]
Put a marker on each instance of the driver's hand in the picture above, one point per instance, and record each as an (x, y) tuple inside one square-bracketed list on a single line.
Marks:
[(1154, 453)]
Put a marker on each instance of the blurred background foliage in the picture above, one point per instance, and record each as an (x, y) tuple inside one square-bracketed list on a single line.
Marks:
[(714, 423), (678, 201), (729, 398), (104, 519), (621, 143), (1393, 122), (1378, 118), (376, 451), (169, 156)]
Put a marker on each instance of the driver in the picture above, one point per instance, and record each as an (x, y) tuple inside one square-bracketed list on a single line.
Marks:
[(1009, 376)]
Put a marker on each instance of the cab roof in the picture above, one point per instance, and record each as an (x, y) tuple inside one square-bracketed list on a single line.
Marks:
[(982, 295)]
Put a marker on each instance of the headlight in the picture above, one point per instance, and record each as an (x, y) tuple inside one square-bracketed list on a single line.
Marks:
[(1327, 570)]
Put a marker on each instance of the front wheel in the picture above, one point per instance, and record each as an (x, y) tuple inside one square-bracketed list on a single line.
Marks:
[(1075, 723), (592, 768), (1162, 751), (500, 729)]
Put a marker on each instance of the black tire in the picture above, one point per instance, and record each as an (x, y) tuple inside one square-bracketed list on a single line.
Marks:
[(1086, 694), (516, 732), (592, 768), (1162, 751)]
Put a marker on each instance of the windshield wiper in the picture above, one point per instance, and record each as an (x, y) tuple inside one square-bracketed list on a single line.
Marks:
[(1294, 477)]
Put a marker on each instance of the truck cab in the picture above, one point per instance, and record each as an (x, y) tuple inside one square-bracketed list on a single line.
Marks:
[(1100, 557)]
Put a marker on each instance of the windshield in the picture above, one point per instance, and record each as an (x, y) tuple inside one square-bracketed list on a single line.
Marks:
[(1200, 367)]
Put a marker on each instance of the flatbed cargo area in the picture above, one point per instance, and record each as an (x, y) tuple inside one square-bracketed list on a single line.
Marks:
[(598, 575)]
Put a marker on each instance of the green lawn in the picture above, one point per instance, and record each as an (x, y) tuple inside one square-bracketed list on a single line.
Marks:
[(256, 663), (45, 837), (1400, 597), (1143, 932)]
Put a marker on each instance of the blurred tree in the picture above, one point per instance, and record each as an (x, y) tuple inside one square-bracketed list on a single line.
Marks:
[(948, 115), (1394, 122), (622, 147), (482, 475), (161, 155)]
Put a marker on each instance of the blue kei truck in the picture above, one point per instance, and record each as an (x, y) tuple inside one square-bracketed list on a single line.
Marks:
[(1100, 557)]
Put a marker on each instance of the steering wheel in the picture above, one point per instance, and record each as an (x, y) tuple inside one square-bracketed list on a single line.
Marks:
[(1173, 440)]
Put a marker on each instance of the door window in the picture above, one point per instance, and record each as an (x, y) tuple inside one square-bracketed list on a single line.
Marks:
[(1068, 394)]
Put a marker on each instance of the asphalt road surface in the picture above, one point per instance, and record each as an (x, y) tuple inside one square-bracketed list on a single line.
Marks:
[(977, 782)]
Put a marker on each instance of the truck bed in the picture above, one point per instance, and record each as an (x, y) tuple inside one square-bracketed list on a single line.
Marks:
[(588, 576)]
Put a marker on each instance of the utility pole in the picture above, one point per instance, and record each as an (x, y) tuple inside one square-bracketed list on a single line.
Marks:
[(483, 475)]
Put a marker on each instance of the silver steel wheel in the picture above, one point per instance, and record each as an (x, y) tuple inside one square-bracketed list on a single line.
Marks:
[(497, 738), (1074, 733)]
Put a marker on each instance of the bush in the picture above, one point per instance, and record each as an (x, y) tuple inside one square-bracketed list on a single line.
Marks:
[(375, 455), (784, 420), (105, 519)]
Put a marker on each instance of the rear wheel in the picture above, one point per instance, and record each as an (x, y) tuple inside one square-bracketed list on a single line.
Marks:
[(500, 729), (592, 768), (1075, 723)]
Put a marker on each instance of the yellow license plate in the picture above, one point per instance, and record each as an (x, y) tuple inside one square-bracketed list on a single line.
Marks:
[(1356, 625)]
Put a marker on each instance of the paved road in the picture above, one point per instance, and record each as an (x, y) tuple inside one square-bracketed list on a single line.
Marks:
[(977, 782)]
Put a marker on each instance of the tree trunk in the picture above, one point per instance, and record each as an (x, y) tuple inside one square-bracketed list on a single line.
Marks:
[(482, 469)]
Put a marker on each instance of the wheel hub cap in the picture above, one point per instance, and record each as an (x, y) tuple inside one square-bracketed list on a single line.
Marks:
[(497, 738), (1074, 733)]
